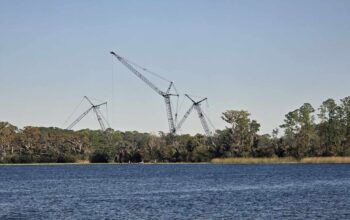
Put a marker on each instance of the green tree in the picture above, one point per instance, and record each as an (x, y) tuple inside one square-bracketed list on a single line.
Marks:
[(345, 105), (300, 136), (331, 128), (7, 137), (243, 131)]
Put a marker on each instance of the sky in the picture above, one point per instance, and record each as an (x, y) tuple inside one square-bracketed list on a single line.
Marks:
[(266, 57)]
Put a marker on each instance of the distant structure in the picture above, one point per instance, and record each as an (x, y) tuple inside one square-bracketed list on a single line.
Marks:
[(165, 94), (173, 125), (96, 109), (197, 106)]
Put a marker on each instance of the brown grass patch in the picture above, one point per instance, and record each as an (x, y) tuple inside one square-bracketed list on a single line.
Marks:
[(316, 160), (283, 160)]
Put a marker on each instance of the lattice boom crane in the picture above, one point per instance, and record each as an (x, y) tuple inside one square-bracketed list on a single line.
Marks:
[(197, 106), (166, 95), (96, 109)]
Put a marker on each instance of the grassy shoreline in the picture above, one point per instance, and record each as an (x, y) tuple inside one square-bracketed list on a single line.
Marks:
[(232, 160), (284, 160)]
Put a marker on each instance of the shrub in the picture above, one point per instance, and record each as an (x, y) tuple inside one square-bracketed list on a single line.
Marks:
[(65, 158), (99, 157)]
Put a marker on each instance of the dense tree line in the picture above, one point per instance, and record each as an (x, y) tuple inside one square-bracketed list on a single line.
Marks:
[(307, 132)]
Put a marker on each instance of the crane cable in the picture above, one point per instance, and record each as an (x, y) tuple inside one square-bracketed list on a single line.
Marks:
[(158, 76), (75, 109), (195, 96), (107, 116), (146, 70), (208, 109), (208, 119), (103, 117), (181, 104), (106, 119), (99, 100)]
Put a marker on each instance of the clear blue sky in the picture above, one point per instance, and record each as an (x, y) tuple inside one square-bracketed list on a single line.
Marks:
[(267, 57)]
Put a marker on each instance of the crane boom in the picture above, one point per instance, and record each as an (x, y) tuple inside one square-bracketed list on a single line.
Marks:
[(137, 73), (169, 114), (197, 106), (184, 117), (202, 119), (79, 118), (104, 119), (85, 97), (166, 95), (99, 118), (96, 109)]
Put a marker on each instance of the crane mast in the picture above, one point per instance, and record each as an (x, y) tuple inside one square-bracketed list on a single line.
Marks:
[(166, 95), (78, 119), (99, 119), (102, 117), (184, 117), (203, 121), (169, 114), (197, 106)]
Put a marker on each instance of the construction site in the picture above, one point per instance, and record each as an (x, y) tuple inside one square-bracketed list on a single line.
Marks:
[(173, 101), (200, 109)]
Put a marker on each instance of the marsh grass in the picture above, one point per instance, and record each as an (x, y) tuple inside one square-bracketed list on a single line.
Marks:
[(252, 160), (316, 160), (284, 160)]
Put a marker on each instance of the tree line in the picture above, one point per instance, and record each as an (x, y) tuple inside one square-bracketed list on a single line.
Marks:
[(306, 132)]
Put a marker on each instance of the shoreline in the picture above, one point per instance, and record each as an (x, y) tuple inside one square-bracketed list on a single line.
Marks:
[(231, 160), (282, 160), (111, 163)]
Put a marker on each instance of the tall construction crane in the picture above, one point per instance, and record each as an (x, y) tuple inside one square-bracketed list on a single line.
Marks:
[(96, 109), (166, 95), (197, 106)]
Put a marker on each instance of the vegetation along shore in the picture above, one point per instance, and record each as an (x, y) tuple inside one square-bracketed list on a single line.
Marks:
[(282, 160), (309, 136)]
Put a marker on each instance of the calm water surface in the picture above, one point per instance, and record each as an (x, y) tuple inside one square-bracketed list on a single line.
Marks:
[(175, 192)]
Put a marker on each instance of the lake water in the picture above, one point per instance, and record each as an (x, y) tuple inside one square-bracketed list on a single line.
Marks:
[(199, 191)]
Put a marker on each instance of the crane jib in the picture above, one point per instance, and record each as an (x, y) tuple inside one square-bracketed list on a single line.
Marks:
[(166, 94)]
